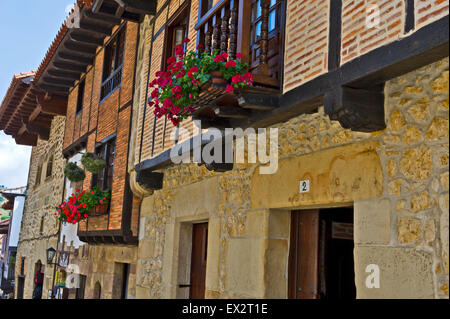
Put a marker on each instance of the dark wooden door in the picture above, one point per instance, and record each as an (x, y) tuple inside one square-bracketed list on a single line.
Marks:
[(20, 286), (198, 260), (303, 256)]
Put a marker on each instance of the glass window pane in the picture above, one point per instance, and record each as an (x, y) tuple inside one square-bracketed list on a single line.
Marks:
[(272, 20), (273, 2), (258, 29), (258, 9), (179, 36)]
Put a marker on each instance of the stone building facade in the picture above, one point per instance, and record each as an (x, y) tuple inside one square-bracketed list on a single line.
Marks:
[(394, 179), (99, 88), (40, 227)]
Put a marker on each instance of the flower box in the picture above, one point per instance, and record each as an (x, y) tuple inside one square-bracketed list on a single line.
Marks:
[(194, 81), (101, 209)]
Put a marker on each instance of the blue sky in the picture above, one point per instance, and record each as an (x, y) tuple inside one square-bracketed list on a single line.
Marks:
[(27, 28)]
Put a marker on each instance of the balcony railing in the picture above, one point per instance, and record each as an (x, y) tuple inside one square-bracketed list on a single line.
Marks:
[(227, 27), (230, 27), (111, 83)]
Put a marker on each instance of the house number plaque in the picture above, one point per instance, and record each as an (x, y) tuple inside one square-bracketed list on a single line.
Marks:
[(304, 186)]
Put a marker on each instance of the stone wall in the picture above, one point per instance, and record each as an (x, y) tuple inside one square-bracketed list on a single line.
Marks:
[(102, 264), (39, 227), (397, 180)]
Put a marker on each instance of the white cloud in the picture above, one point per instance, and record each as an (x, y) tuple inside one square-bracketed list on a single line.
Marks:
[(14, 162)]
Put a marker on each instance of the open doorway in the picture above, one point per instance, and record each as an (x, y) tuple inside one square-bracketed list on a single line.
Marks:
[(321, 264), (38, 280), (192, 261)]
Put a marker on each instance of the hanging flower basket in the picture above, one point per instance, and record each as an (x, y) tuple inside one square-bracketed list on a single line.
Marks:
[(93, 163), (193, 79), (74, 173)]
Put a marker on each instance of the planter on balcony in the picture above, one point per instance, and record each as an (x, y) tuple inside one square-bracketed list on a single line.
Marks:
[(101, 209)]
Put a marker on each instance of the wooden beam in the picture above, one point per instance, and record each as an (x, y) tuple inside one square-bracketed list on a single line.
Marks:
[(27, 139), (231, 112), (57, 81), (54, 105), (76, 58), (357, 109), (42, 131), (85, 38), (86, 50), (95, 28), (54, 89), (139, 6), (64, 74), (150, 180), (64, 66)]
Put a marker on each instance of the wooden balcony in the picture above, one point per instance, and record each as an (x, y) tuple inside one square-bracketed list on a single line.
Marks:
[(238, 26)]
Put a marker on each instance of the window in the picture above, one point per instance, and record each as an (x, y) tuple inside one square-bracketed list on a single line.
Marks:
[(41, 228), (38, 175), (80, 99), (274, 37), (177, 31), (112, 64), (48, 173), (97, 291), (104, 178)]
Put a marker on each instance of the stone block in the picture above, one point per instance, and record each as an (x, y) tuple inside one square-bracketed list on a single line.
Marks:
[(372, 221), (213, 253), (245, 258), (275, 274), (199, 198), (404, 273), (338, 175)]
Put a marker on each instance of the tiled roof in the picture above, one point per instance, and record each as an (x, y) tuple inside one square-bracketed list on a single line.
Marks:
[(15, 92), (60, 35)]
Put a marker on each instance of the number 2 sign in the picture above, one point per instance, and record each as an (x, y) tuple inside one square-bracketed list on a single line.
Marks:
[(304, 186)]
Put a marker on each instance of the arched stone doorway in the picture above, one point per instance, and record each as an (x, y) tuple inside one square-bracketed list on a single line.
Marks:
[(38, 280), (97, 291)]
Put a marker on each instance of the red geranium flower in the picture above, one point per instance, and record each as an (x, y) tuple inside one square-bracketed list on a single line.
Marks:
[(230, 88), (230, 64), (193, 70)]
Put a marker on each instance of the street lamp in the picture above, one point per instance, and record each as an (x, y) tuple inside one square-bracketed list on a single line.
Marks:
[(51, 252)]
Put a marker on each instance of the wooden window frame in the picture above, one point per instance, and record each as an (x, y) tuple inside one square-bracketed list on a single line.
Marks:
[(174, 23), (112, 64), (205, 6), (106, 145), (80, 97), (38, 175), (48, 172)]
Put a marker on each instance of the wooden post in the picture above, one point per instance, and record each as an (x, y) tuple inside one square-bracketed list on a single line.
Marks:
[(263, 68), (225, 30), (233, 28), (216, 32), (243, 40), (208, 37)]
